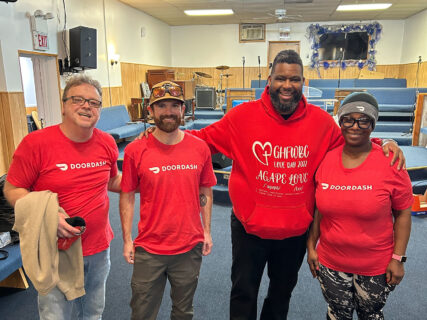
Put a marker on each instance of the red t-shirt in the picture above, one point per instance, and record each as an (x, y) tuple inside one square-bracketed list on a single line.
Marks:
[(168, 177), (78, 172), (356, 230)]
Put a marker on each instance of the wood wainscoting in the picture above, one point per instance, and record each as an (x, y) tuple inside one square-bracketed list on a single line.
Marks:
[(409, 72), (406, 71), (13, 126), (117, 96), (133, 74)]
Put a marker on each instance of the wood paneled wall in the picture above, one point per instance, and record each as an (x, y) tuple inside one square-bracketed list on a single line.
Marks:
[(13, 125), (134, 74), (235, 78), (409, 72), (117, 96)]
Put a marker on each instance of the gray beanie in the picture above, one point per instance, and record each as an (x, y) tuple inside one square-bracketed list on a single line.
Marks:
[(359, 102)]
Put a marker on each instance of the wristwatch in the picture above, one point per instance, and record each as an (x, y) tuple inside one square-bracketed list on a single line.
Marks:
[(399, 258)]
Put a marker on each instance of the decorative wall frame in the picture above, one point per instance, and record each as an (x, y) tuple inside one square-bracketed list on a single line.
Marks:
[(251, 32), (315, 31)]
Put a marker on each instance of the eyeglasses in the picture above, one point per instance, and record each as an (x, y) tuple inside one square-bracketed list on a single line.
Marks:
[(80, 101), (174, 91), (362, 123)]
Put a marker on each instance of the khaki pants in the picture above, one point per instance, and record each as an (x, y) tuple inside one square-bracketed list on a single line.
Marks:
[(150, 272)]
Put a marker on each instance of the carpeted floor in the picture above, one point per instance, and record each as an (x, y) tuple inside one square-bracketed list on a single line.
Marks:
[(407, 302)]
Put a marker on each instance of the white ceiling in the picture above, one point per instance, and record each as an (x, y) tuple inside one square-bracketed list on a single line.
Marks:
[(258, 11)]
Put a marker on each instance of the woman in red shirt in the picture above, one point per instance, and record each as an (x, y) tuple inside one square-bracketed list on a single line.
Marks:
[(357, 241)]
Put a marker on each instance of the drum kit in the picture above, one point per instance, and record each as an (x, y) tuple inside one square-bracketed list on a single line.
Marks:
[(220, 91)]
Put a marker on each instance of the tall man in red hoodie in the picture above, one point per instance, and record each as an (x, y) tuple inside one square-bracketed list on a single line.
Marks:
[(276, 144)]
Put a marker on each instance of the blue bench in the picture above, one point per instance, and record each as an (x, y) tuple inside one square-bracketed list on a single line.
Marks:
[(331, 83), (386, 97), (258, 84), (358, 83), (380, 83), (115, 121), (11, 272)]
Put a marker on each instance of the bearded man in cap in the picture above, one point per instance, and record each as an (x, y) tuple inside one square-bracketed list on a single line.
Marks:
[(174, 174)]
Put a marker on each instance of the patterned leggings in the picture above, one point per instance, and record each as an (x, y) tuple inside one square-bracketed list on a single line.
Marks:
[(345, 292)]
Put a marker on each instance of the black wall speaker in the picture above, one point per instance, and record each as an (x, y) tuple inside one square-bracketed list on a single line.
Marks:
[(83, 48), (205, 98)]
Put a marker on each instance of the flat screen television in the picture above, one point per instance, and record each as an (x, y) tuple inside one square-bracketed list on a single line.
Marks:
[(344, 46)]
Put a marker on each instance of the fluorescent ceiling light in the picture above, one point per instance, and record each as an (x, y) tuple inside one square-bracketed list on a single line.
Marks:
[(209, 12), (364, 6)]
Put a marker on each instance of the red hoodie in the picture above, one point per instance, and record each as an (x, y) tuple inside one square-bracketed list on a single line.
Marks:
[(274, 161)]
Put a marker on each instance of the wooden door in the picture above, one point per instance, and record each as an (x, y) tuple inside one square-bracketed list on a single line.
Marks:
[(274, 47)]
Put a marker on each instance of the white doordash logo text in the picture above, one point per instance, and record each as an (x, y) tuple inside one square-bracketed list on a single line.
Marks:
[(363, 187), (82, 165), (173, 167)]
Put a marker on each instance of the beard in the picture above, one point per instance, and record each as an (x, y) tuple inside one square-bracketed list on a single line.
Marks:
[(287, 107), (167, 126)]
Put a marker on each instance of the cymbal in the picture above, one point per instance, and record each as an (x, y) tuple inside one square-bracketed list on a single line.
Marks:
[(227, 75), (202, 74), (223, 67)]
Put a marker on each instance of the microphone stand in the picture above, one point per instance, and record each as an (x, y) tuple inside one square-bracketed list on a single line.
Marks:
[(340, 66), (417, 92), (259, 72), (243, 59), (416, 75)]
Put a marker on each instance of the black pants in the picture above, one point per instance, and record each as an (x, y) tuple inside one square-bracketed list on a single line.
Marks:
[(250, 255)]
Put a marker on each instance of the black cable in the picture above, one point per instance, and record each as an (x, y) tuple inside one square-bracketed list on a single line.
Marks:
[(63, 32)]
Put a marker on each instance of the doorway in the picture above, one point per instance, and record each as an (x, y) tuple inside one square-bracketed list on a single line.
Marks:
[(274, 47), (40, 83)]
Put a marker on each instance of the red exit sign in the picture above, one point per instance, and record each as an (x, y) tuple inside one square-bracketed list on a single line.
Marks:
[(40, 41)]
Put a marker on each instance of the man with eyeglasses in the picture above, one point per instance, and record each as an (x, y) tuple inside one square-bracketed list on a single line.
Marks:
[(173, 172), (78, 162)]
